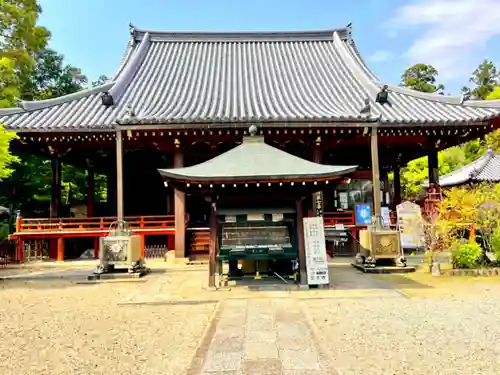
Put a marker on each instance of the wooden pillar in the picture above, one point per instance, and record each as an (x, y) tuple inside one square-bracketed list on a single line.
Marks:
[(143, 245), (377, 208), (213, 247), (397, 185), (90, 190), (180, 212), (20, 249), (55, 201), (433, 164), (317, 203), (301, 244), (119, 175), (60, 249)]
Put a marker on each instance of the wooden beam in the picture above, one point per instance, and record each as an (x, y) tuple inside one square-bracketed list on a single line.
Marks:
[(119, 175), (301, 244), (60, 249), (55, 202), (213, 247), (180, 212), (397, 185), (376, 178)]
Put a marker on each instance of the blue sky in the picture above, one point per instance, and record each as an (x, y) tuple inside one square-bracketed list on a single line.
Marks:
[(453, 35)]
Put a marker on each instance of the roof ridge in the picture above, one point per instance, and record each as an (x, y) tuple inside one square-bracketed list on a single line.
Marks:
[(371, 86), (481, 163), (129, 70), (28, 106), (255, 36)]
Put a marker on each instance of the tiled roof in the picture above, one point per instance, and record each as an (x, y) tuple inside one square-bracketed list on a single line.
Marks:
[(484, 169), (258, 77), (251, 161)]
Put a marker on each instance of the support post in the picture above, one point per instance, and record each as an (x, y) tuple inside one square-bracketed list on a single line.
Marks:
[(213, 248), (60, 249), (90, 190), (55, 202), (119, 175), (180, 212), (433, 164), (318, 196), (397, 185), (302, 246), (377, 208)]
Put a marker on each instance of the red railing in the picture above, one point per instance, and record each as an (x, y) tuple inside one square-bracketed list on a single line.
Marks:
[(344, 217), (92, 224)]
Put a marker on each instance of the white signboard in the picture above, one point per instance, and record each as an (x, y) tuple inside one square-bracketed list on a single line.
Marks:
[(410, 225), (315, 246)]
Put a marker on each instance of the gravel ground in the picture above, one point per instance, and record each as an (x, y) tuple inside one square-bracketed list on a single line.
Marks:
[(58, 327), (447, 335)]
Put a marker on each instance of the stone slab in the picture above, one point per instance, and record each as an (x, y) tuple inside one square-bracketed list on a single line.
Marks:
[(258, 351), (383, 270), (299, 359), (218, 362)]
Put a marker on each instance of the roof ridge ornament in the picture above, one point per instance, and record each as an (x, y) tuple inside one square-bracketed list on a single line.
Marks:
[(366, 110), (383, 96), (132, 34), (252, 130), (464, 97), (107, 99)]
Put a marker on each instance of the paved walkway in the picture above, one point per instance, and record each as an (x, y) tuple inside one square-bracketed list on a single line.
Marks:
[(260, 337)]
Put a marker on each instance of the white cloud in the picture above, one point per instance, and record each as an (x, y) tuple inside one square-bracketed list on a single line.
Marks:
[(452, 33), (380, 56)]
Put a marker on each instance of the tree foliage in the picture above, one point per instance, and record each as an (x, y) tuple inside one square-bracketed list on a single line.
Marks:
[(485, 78), (421, 77), (30, 184), (30, 71), (9, 83), (100, 81), (20, 36), (52, 78)]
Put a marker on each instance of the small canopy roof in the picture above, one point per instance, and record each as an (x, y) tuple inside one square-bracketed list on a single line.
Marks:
[(484, 169), (255, 160)]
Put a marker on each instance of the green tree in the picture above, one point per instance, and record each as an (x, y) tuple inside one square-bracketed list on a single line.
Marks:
[(20, 36), (100, 81), (421, 77), (9, 83), (52, 78), (417, 171), (493, 139), (484, 78), (30, 184)]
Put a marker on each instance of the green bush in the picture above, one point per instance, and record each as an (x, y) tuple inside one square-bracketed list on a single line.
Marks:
[(466, 255), (495, 242)]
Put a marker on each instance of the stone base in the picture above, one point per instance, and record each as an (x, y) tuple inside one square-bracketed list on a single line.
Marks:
[(383, 269), (472, 272), (119, 274)]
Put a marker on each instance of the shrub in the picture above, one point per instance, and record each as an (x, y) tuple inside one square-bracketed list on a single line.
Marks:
[(466, 255), (495, 242)]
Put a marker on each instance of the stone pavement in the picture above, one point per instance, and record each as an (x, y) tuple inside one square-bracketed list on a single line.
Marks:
[(260, 336)]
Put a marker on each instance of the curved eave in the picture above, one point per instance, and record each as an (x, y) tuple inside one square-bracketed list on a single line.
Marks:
[(177, 176), (261, 120)]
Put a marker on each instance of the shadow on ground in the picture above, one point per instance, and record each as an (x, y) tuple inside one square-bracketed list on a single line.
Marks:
[(59, 279)]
